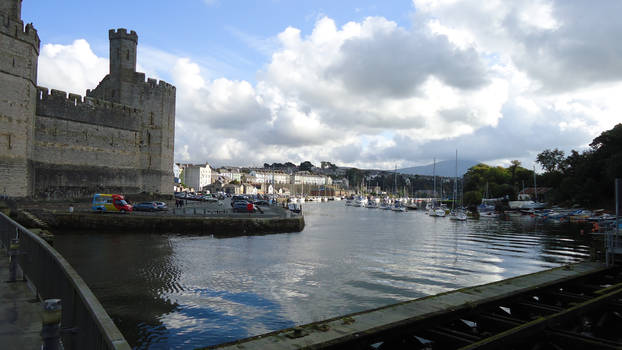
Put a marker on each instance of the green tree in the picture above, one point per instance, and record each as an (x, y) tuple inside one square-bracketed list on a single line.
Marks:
[(472, 198), (551, 160), (305, 166)]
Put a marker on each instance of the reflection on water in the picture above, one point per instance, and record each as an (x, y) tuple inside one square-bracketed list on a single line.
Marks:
[(175, 291)]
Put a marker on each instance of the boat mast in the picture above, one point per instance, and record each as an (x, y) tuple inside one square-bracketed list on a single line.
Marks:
[(434, 175), (535, 187), (395, 181), (453, 203)]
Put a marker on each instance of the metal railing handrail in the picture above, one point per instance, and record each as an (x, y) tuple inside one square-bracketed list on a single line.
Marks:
[(85, 322)]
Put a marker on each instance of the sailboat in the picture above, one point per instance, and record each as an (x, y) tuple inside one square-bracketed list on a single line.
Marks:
[(432, 209), (456, 214)]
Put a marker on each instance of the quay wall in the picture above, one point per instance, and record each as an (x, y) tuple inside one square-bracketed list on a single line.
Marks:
[(217, 226)]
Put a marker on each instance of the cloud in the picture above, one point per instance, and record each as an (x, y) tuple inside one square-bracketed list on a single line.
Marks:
[(563, 45), (497, 81), (73, 68)]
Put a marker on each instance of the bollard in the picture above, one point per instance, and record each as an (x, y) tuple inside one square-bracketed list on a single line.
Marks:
[(13, 253), (50, 328)]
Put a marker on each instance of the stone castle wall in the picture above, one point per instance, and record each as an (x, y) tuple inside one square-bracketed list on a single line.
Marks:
[(19, 51), (119, 138)]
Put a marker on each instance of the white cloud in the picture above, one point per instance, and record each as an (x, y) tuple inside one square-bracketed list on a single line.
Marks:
[(496, 80), (72, 68)]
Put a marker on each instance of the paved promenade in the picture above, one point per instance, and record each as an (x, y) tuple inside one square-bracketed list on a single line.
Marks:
[(20, 312)]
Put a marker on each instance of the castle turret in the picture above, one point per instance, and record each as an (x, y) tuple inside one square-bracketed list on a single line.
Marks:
[(19, 50), (12, 9), (156, 100), (123, 53)]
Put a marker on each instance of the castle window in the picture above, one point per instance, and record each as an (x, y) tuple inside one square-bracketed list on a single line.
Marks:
[(127, 55), (13, 62), (151, 115), (149, 138)]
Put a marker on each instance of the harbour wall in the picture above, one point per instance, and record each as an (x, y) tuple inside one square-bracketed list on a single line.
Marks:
[(217, 226)]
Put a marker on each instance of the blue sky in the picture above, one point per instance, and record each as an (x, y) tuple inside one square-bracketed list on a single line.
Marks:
[(358, 83), (225, 31)]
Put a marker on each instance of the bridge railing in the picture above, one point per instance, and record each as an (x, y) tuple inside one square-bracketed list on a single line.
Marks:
[(85, 324)]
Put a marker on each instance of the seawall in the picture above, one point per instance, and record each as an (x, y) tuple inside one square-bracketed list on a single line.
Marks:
[(220, 226)]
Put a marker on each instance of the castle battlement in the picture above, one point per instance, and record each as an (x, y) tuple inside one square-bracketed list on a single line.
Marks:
[(62, 99), (17, 30), (122, 33), (155, 84)]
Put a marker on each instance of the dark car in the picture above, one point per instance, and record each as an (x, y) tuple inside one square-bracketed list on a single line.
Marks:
[(145, 206), (261, 202), (242, 206), (161, 206)]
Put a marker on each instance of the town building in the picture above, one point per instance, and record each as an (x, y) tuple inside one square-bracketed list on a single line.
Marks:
[(198, 176), (272, 177), (306, 178)]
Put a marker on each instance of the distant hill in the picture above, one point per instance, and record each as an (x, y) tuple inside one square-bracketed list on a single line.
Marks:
[(443, 168)]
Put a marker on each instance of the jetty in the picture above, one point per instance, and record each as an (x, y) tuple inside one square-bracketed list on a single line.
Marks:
[(573, 306)]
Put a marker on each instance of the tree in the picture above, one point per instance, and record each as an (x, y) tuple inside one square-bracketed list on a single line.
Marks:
[(472, 198), (305, 166), (551, 160)]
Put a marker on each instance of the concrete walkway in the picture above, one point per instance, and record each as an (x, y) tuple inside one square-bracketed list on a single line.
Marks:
[(20, 312)]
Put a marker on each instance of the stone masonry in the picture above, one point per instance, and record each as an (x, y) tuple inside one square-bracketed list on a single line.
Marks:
[(118, 138)]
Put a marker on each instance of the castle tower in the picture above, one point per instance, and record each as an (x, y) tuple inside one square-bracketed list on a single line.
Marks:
[(19, 53), (123, 53), (12, 8), (155, 99)]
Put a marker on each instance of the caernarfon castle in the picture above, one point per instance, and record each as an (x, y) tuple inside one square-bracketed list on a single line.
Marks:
[(118, 138)]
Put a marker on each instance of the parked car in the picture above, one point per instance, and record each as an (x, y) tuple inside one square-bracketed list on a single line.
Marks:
[(261, 202), (161, 206), (242, 206), (145, 206), (209, 198)]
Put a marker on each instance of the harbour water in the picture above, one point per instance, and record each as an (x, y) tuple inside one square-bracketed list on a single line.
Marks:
[(184, 291)]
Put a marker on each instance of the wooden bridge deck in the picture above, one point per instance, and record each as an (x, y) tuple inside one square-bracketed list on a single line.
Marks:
[(349, 331)]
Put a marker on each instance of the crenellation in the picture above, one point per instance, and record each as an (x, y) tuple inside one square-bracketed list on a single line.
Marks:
[(17, 30), (42, 92), (58, 93), (121, 33), (75, 98), (139, 78)]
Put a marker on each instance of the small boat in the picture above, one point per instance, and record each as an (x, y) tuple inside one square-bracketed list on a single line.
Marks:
[(440, 212), (488, 214), (295, 207), (360, 201), (372, 205), (457, 215), (398, 207)]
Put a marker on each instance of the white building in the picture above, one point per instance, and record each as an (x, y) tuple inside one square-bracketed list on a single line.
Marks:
[(306, 178), (231, 174), (198, 176), (269, 177)]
